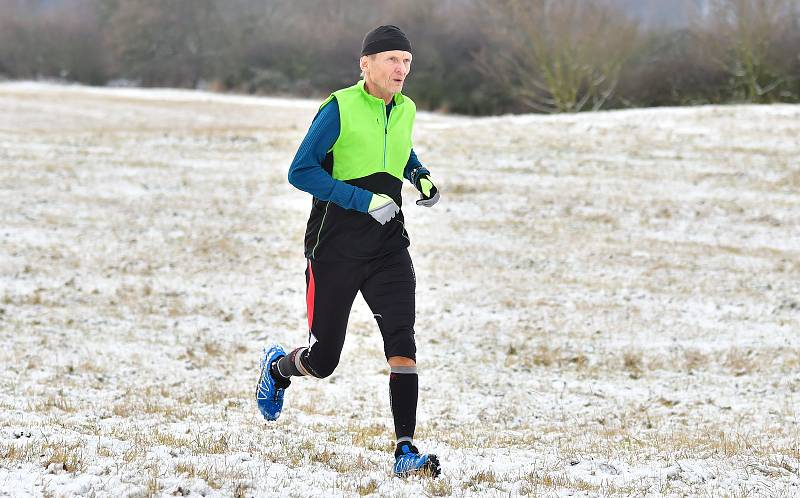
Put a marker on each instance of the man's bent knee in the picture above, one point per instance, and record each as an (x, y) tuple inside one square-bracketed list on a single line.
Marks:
[(401, 361), (323, 371), (320, 366)]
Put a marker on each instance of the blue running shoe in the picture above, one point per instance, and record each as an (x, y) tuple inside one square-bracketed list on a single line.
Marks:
[(269, 392), (408, 461)]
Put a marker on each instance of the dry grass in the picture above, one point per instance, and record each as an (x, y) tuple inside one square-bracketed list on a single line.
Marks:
[(22, 451), (740, 362), (57, 402), (69, 455), (480, 481), (440, 486), (640, 363), (538, 481), (375, 437), (633, 363), (216, 476), (54, 455), (367, 488)]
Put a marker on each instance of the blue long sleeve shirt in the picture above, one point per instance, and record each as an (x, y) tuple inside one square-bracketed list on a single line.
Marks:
[(306, 172)]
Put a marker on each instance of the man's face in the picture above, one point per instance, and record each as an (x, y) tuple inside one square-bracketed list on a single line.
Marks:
[(386, 71)]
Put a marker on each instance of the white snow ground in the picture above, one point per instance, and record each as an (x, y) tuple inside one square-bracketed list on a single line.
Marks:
[(608, 303)]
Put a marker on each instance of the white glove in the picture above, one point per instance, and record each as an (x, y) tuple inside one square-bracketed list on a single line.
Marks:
[(382, 208)]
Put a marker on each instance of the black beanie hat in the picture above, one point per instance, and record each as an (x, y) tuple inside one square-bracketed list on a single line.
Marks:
[(385, 38)]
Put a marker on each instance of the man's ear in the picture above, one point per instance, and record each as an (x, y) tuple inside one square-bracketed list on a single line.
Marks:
[(362, 63)]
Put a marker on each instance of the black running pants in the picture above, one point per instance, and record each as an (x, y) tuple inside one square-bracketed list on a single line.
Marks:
[(388, 285)]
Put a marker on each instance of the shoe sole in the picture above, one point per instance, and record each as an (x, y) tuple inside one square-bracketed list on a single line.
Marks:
[(432, 467), (265, 371)]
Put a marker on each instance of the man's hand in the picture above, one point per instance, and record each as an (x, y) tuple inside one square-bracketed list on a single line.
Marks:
[(382, 208), (430, 194)]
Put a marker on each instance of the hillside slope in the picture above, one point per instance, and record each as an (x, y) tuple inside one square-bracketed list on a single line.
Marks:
[(608, 303)]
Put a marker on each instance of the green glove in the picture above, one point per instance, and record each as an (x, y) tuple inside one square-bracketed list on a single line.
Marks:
[(382, 208), (430, 194)]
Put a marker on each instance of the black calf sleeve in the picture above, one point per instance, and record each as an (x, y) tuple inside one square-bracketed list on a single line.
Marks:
[(403, 391)]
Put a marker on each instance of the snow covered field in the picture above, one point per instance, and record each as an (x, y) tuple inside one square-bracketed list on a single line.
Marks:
[(608, 304)]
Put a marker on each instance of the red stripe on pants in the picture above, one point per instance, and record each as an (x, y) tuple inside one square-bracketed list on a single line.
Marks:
[(310, 296)]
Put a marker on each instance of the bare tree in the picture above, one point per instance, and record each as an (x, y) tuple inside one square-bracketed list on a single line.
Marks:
[(178, 42), (59, 39), (743, 36), (556, 55)]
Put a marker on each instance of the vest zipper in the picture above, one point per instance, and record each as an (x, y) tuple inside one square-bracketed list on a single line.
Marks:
[(385, 133)]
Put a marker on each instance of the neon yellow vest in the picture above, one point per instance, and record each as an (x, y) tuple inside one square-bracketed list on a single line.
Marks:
[(367, 143)]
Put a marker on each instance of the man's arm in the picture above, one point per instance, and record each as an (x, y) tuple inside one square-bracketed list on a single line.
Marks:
[(306, 171), (414, 169)]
